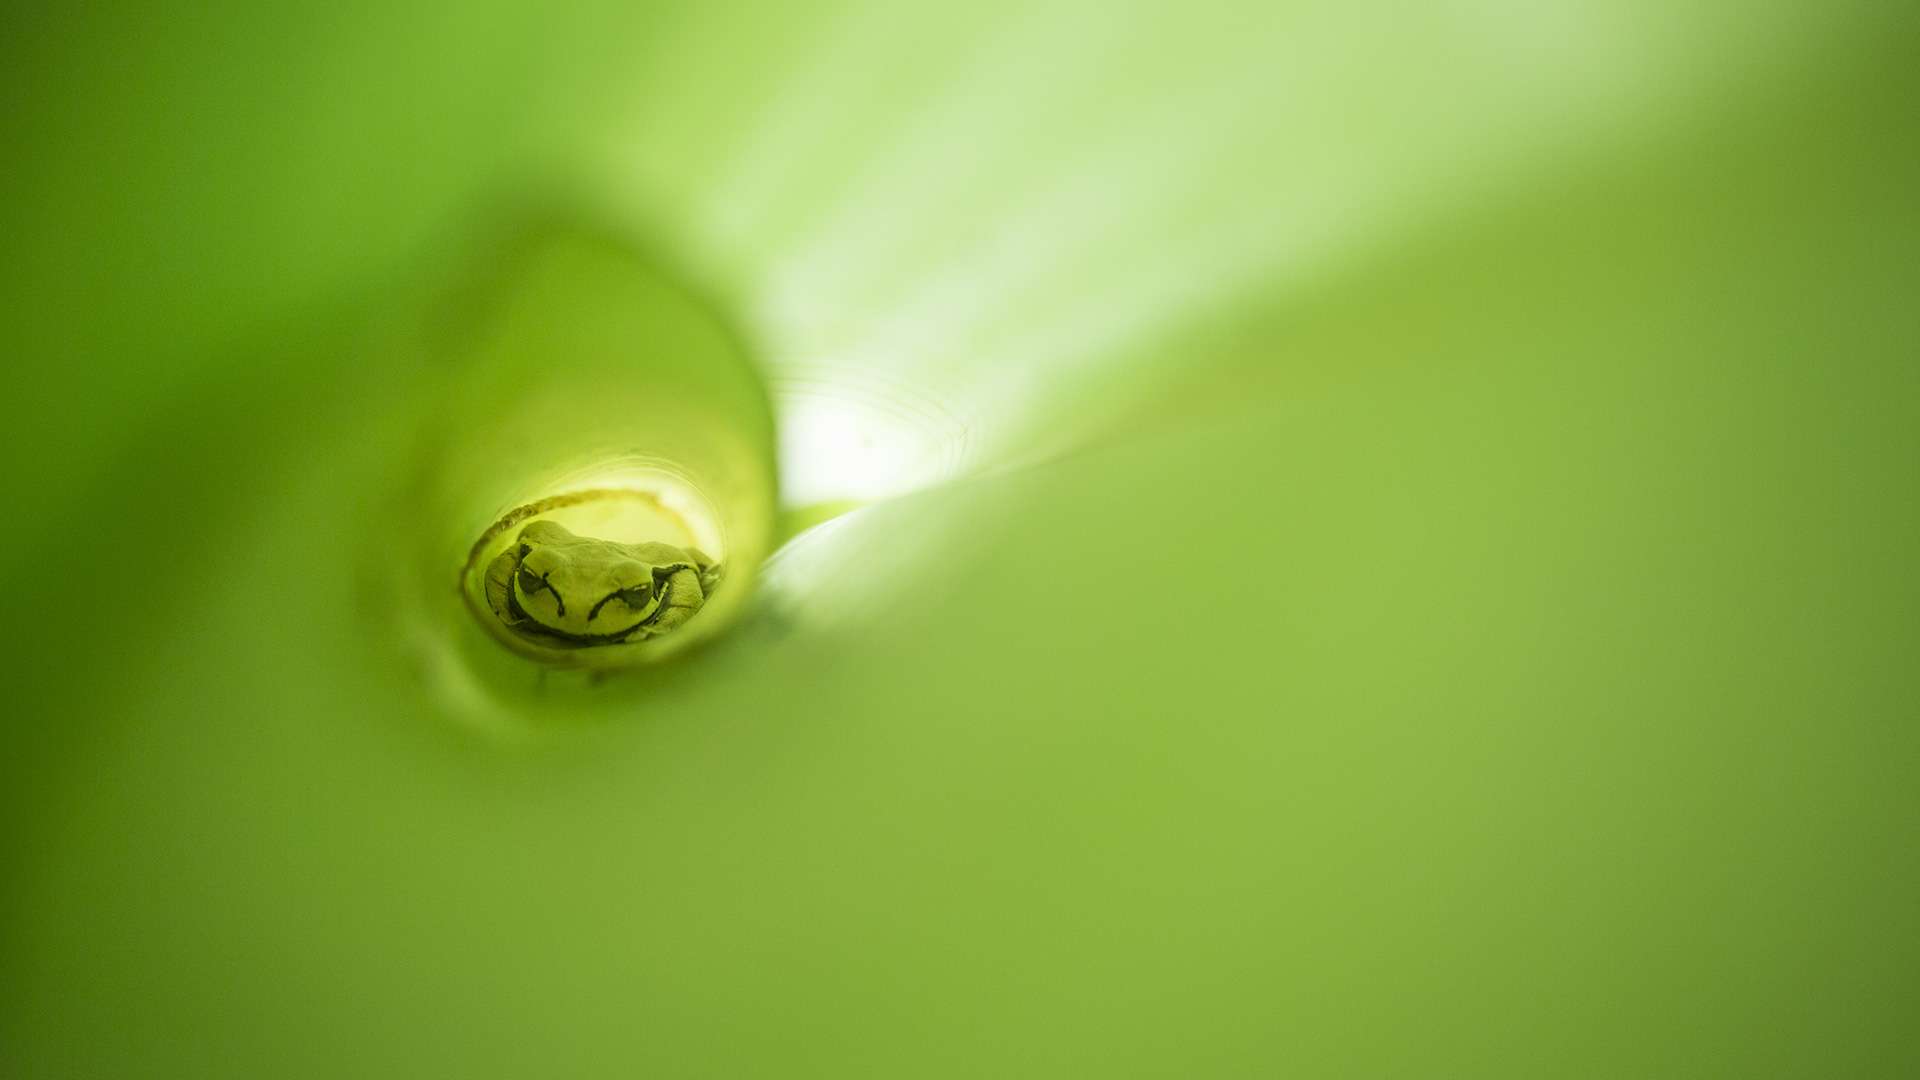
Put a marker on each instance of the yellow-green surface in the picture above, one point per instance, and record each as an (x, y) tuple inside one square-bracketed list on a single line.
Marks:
[(1388, 545)]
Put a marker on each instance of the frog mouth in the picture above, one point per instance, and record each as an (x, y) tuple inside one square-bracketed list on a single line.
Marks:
[(525, 623)]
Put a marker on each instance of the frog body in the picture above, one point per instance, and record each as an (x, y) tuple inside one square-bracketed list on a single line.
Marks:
[(582, 591)]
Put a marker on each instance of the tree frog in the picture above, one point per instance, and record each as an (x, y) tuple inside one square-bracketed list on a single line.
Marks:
[(553, 584)]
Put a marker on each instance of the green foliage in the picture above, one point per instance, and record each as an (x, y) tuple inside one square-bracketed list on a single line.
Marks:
[(1465, 628)]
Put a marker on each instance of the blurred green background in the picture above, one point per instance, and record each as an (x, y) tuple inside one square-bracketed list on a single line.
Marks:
[(1385, 544)]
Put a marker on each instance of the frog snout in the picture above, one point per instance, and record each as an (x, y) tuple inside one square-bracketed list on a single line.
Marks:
[(577, 619)]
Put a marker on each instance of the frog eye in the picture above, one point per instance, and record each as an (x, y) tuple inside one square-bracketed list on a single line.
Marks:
[(533, 583), (635, 597)]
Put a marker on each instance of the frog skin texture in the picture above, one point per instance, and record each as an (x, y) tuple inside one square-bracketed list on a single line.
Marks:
[(559, 588)]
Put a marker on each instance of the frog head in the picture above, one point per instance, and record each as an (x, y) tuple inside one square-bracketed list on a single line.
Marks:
[(579, 587)]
